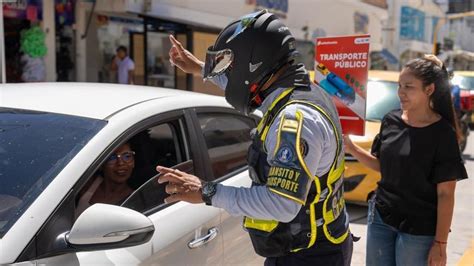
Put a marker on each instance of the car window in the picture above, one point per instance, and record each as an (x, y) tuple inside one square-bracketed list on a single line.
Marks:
[(382, 97), (227, 137), (162, 144), (34, 148), (169, 148)]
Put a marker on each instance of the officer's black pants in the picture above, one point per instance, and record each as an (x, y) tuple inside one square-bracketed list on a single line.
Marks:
[(322, 253)]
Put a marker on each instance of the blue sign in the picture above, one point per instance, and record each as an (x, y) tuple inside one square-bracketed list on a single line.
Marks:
[(412, 24)]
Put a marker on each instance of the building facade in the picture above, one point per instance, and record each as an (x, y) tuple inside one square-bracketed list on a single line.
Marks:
[(143, 26)]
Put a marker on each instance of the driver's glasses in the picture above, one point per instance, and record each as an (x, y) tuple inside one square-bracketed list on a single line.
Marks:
[(126, 157)]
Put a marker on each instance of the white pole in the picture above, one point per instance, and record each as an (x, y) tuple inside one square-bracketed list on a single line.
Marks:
[(50, 40), (3, 77)]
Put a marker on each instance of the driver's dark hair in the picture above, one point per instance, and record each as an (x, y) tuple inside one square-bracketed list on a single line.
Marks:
[(430, 70)]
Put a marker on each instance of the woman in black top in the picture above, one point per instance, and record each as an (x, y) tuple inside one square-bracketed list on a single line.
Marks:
[(418, 156)]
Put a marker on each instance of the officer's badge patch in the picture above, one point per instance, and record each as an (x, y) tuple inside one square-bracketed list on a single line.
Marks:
[(285, 155), (304, 147)]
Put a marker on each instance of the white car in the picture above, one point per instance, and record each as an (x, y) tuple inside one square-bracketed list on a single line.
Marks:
[(54, 137)]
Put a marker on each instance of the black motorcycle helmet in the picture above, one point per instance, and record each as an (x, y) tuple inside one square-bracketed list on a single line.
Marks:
[(248, 52)]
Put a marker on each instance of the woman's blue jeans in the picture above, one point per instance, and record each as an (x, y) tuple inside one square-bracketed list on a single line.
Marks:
[(386, 246)]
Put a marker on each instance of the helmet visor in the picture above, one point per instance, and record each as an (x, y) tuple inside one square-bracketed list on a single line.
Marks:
[(217, 62)]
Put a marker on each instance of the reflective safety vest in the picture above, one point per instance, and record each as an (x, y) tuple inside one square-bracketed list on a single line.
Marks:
[(323, 216)]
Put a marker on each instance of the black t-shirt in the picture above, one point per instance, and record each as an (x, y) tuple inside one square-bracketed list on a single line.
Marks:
[(412, 162)]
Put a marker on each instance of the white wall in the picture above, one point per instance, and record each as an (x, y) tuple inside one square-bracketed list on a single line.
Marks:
[(430, 9), (461, 31), (49, 28), (120, 6), (81, 44), (335, 17)]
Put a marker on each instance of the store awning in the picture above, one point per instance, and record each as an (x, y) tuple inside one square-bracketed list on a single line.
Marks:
[(187, 16)]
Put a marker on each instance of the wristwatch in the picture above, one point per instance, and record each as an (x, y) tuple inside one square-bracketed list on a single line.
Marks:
[(208, 190)]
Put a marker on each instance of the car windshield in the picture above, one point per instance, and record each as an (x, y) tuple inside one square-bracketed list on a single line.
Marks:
[(382, 97), (34, 148), (464, 82)]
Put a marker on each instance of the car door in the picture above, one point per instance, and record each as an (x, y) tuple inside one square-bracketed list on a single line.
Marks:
[(226, 137), (185, 234), (167, 139)]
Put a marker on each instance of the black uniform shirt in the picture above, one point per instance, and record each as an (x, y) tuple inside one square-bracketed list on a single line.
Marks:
[(412, 162)]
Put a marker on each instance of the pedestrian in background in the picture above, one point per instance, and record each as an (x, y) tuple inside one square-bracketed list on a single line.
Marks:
[(455, 94), (418, 156), (124, 66)]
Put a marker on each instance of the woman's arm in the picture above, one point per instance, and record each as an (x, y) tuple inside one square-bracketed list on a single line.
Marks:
[(445, 191), (361, 155)]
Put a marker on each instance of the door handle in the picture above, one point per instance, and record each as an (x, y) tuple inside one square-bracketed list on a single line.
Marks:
[(199, 242)]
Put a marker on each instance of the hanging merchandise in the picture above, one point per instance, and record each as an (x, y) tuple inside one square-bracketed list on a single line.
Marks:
[(32, 42), (34, 69)]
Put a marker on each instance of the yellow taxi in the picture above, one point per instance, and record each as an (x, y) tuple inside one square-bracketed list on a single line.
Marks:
[(382, 97)]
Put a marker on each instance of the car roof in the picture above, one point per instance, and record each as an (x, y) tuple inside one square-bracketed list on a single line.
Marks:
[(384, 75), (464, 73), (93, 100)]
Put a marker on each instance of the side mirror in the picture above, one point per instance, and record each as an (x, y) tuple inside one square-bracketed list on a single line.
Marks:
[(104, 226)]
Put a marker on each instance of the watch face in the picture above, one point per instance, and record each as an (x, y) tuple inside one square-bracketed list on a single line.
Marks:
[(208, 188), (205, 188)]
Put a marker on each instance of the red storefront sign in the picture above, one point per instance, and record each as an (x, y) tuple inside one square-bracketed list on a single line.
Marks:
[(341, 68)]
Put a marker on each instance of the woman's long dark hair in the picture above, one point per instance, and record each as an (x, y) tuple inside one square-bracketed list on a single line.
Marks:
[(431, 70)]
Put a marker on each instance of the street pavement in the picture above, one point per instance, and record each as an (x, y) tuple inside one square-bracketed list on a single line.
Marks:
[(461, 238)]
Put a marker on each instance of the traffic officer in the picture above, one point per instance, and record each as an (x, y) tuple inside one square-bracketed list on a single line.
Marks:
[(294, 211)]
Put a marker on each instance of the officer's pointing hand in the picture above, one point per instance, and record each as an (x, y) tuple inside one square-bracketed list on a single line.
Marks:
[(181, 185), (184, 59)]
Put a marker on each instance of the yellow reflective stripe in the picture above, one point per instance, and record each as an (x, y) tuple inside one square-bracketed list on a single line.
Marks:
[(287, 196), (262, 122), (328, 215), (332, 175), (299, 118), (332, 239), (335, 174), (318, 187), (339, 148), (312, 213), (262, 225), (277, 146), (298, 249)]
